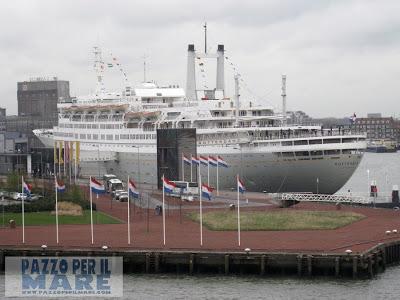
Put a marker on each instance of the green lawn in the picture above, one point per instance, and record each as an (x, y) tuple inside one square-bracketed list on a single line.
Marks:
[(282, 220), (45, 218)]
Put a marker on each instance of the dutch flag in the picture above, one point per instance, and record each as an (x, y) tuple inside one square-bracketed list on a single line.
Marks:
[(26, 187), (60, 186), (206, 191), (204, 160), (212, 161), (353, 118), (168, 186), (195, 160), (222, 162), (240, 185), (186, 160), (96, 186), (132, 189)]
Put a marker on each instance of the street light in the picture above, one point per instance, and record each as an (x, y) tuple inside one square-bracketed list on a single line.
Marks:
[(368, 190)]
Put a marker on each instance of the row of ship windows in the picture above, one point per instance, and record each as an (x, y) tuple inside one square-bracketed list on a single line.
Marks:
[(107, 137), (318, 153), (91, 126)]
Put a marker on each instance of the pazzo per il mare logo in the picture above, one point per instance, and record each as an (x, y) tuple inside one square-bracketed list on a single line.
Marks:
[(63, 276)]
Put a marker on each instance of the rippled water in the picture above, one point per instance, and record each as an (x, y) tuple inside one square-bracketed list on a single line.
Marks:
[(170, 286)]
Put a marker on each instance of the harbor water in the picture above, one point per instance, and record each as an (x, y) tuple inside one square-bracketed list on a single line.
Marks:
[(384, 168)]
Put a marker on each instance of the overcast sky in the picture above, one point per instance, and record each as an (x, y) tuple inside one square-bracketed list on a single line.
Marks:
[(340, 57)]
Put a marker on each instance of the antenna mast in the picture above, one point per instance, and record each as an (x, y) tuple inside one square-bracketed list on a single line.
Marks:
[(284, 99), (144, 68), (99, 68), (205, 37)]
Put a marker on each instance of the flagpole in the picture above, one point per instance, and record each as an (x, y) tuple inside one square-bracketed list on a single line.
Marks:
[(238, 207), (191, 168), (129, 215), (199, 166), (59, 162), (217, 178), (208, 170), (163, 206), (65, 152), (69, 162), (91, 208), (23, 212), (75, 170), (54, 158), (56, 183), (201, 211), (183, 168)]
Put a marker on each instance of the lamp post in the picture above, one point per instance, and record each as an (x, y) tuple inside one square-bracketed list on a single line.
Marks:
[(368, 190), (317, 185)]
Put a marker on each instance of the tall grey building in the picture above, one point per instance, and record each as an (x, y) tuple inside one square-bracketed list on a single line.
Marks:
[(39, 97), (2, 119), (37, 106)]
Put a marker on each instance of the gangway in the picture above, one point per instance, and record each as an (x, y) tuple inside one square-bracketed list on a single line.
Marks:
[(308, 197)]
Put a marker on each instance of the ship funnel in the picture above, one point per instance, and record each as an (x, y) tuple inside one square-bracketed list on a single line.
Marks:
[(220, 69), (191, 74)]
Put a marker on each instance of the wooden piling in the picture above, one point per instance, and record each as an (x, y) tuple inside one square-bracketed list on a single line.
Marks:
[(262, 264), (157, 262), (226, 264), (376, 262), (354, 266), (337, 266), (309, 265), (370, 270), (191, 263), (299, 264), (2, 262), (147, 262)]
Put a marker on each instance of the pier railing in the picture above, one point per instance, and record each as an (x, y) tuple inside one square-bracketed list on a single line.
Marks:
[(305, 197)]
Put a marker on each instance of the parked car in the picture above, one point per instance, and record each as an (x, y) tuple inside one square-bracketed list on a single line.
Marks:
[(117, 193), (20, 196), (123, 197)]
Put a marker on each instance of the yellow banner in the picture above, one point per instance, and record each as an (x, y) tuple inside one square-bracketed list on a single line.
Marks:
[(60, 156), (55, 152), (71, 151), (78, 150)]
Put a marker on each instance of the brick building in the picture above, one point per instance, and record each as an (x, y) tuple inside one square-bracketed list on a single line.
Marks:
[(379, 128)]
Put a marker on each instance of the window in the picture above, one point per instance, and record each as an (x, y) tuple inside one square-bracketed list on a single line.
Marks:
[(301, 142), (314, 142)]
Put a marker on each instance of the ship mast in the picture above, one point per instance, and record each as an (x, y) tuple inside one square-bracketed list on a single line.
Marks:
[(99, 68), (144, 68), (205, 37), (237, 95), (284, 100)]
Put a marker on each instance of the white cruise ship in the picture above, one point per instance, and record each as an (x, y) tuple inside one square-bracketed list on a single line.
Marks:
[(117, 131)]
